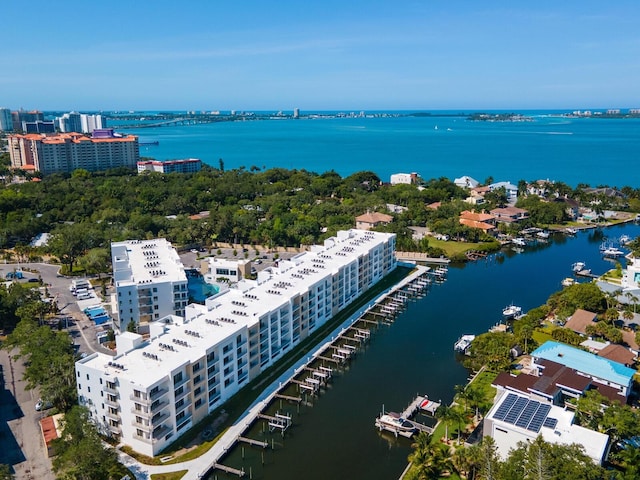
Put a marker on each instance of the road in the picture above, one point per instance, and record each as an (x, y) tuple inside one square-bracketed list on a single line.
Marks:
[(21, 440)]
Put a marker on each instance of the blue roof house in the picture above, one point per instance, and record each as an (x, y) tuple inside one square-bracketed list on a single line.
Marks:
[(600, 370)]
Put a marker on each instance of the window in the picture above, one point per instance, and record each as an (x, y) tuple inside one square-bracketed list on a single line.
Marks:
[(177, 378), (179, 403), (197, 391), (198, 403)]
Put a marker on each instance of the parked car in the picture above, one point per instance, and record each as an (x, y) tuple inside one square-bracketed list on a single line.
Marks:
[(43, 405)]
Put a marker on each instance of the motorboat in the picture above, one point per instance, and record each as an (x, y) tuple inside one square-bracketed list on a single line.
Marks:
[(571, 231), (578, 267), (394, 423), (624, 240), (567, 282), (612, 252), (511, 311), (519, 241), (463, 343), (544, 235)]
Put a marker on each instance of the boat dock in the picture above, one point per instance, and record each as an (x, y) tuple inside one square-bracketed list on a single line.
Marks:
[(420, 403), (315, 371)]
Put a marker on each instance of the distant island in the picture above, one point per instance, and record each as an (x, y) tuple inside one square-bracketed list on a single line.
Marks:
[(499, 117)]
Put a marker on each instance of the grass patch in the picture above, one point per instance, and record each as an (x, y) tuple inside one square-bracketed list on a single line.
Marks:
[(169, 476), (456, 249), (247, 395), (541, 335)]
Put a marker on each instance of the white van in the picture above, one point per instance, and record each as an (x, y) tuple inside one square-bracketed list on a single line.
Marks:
[(85, 296)]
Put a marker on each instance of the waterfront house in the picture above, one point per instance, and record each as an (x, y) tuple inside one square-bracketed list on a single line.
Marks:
[(509, 214), (580, 320), (369, 220), (466, 182), (517, 418), (510, 189), (483, 221), (404, 178), (571, 207), (602, 371)]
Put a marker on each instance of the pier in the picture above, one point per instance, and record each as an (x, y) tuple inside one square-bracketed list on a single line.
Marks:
[(337, 349)]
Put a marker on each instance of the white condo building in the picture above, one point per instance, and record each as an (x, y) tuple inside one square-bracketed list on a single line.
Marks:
[(155, 389), (150, 282)]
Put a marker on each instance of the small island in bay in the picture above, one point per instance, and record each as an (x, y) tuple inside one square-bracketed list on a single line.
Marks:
[(499, 117)]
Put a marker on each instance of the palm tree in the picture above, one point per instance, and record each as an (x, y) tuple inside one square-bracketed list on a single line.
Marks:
[(429, 458), (445, 414), (633, 299)]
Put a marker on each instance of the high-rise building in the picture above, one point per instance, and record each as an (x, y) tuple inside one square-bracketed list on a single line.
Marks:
[(157, 388), (20, 116), (39, 126), (150, 282), (66, 152), (92, 122), (70, 122), (6, 123)]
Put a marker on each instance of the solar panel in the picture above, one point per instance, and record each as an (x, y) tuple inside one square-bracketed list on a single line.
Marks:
[(527, 414), (538, 418), (516, 410), (550, 422), (505, 406)]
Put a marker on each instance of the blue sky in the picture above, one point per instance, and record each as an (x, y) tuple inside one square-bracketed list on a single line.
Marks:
[(319, 55)]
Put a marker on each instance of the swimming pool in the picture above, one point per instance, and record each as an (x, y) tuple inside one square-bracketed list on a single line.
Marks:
[(95, 311), (199, 290)]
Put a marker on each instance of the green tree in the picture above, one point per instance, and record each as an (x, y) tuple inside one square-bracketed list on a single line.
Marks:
[(81, 454), (5, 472)]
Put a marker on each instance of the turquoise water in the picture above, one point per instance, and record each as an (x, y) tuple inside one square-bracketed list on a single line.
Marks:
[(199, 290), (571, 150)]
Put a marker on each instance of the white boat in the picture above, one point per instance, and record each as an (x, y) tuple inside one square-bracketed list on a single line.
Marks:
[(463, 343), (625, 239), (519, 241), (571, 231), (567, 282), (511, 311), (578, 267), (612, 252), (544, 235), (394, 423)]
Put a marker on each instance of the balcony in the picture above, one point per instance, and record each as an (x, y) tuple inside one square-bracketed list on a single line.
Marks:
[(159, 418), (185, 391), (159, 406), (159, 432), (110, 388), (112, 415), (115, 429), (142, 425), (140, 399), (111, 403), (158, 393)]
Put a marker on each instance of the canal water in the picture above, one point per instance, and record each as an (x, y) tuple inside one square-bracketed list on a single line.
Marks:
[(335, 437)]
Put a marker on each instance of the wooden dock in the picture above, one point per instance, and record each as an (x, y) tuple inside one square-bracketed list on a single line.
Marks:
[(288, 398), (231, 470), (420, 403), (251, 441)]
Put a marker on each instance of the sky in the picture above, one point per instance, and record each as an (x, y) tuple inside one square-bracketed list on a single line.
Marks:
[(258, 55)]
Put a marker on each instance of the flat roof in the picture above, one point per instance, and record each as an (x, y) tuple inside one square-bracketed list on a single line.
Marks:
[(227, 314), (585, 362), (146, 261)]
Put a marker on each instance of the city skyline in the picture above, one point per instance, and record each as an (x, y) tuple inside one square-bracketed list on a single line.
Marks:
[(322, 56)]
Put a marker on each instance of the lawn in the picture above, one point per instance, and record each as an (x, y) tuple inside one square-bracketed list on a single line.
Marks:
[(453, 248), (169, 476)]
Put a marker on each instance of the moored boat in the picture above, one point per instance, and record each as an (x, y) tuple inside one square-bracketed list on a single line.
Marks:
[(511, 311), (463, 343), (612, 252), (578, 267), (394, 423), (519, 241), (567, 282)]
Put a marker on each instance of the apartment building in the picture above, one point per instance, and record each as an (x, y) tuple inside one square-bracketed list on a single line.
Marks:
[(156, 389), (69, 151), (150, 282), (187, 165)]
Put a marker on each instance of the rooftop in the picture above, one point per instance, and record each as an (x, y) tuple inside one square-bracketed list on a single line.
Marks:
[(146, 261), (585, 362), (176, 341)]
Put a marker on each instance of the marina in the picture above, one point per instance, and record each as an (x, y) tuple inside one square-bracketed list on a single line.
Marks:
[(338, 422)]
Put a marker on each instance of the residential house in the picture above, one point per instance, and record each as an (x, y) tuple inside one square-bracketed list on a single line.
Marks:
[(510, 189), (580, 320), (483, 221), (510, 214), (369, 220), (619, 354), (466, 182)]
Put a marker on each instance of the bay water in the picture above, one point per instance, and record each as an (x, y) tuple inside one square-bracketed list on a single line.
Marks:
[(596, 151)]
